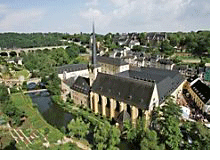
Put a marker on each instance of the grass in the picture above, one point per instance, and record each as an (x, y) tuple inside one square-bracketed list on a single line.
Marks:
[(35, 119), (23, 72)]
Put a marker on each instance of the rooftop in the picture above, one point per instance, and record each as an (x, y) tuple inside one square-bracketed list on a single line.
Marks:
[(71, 68), (128, 90), (81, 85), (112, 61), (167, 81), (202, 90)]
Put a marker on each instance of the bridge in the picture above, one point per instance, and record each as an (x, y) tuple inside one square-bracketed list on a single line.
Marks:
[(15, 52), (35, 91)]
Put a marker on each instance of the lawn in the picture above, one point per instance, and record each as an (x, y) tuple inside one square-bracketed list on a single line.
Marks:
[(23, 72), (35, 120)]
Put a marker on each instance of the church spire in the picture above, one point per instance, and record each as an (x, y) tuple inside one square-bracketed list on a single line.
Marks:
[(93, 46)]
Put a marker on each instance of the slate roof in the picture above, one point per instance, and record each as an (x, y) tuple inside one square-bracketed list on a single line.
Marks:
[(128, 90), (167, 81), (81, 85), (71, 68), (202, 90), (110, 60), (165, 61), (69, 81)]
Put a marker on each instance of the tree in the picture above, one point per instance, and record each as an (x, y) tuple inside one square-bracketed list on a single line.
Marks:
[(150, 141), (141, 136), (78, 128), (196, 136), (3, 93), (166, 48), (106, 137), (167, 124)]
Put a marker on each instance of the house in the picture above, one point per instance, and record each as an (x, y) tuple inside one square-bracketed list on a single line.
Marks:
[(73, 70), (80, 91), (156, 37), (133, 43), (165, 64), (111, 65), (199, 92)]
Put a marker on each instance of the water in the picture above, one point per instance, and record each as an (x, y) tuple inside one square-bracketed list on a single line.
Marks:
[(52, 114), (59, 118)]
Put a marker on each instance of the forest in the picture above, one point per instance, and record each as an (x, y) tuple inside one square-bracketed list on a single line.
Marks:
[(30, 40)]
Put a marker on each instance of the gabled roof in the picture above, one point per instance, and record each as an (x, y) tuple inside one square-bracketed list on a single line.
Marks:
[(69, 81), (167, 81), (112, 61), (202, 90), (128, 90), (123, 116), (81, 85), (71, 68)]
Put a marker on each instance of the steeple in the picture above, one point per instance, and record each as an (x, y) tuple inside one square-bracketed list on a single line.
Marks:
[(93, 46)]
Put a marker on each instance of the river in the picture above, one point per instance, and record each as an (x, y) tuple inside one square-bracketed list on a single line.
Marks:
[(57, 117), (52, 114)]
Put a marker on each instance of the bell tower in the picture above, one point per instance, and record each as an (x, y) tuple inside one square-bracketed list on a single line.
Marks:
[(93, 67)]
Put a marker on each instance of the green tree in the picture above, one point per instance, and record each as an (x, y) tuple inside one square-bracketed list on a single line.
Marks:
[(150, 141), (3, 94), (106, 137), (196, 137), (78, 128), (166, 48), (167, 124)]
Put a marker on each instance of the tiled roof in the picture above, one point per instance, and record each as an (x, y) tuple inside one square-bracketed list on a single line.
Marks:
[(202, 90), (128, 90), (81, 85), (167, 81), (71, 68), (110, 60)]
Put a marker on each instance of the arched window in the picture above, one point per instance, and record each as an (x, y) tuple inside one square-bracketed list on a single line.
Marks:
[(129, 109), (117, 106)]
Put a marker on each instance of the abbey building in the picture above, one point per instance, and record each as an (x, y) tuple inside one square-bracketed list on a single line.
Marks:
[(110, 88)]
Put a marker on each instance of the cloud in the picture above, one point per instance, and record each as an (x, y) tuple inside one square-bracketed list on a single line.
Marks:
[(19, 19), (154, 15), (3, 9), (92, 3)]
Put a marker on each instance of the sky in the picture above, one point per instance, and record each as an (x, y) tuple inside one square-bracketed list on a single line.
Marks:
[(123, 16)]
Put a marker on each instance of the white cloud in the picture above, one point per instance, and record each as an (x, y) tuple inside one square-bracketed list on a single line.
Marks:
[(92, 3), (14, 20), (119, 3), (145, 15)]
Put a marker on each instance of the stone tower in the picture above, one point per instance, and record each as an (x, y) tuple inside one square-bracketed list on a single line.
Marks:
[(93, 67)]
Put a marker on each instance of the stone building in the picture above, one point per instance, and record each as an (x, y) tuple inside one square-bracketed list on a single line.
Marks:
[(111, 65), (199, 92), (73, 70), (111, 89), (80, 91), (110, 95)]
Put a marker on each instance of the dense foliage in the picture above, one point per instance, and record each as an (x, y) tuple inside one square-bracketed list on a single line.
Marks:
[(193, 42), (30, 40), (8, 108)]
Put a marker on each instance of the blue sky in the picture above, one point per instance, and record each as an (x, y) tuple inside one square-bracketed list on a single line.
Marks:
[(74, 16)]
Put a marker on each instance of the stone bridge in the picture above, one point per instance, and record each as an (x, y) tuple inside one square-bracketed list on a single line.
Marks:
[(35, 80), (16, 52)]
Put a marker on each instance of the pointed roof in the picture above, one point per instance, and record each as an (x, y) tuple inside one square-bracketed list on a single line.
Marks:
[(94, 46), (123, 116)]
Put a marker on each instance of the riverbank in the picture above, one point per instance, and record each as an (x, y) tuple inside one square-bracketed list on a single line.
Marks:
[(35, 131)]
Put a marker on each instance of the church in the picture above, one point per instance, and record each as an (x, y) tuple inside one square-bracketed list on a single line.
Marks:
[(110, 88)]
